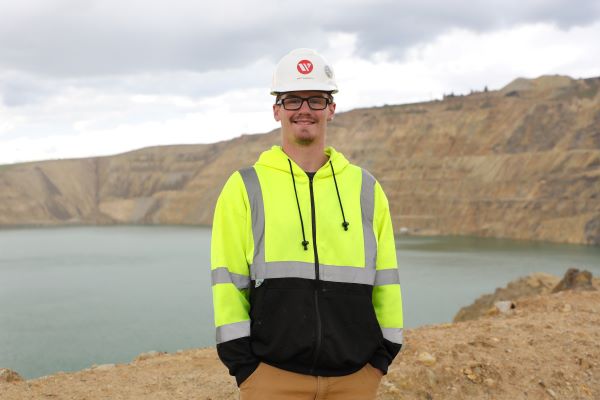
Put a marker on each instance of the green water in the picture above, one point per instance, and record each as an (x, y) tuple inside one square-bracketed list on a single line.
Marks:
[(73, 297)]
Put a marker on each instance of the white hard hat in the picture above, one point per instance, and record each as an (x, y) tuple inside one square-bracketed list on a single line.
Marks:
[(303, 69)]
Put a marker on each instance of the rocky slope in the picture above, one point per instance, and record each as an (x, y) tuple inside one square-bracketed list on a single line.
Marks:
[(503, 299), (522, 162), (544, 348)]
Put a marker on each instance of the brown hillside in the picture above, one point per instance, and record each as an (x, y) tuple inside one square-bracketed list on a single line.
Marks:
[(522, 162)]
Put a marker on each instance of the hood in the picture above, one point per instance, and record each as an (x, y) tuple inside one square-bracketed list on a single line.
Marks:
[(276, 158)]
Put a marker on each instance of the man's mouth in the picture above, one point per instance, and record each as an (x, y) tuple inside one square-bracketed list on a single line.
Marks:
[(301, 121)]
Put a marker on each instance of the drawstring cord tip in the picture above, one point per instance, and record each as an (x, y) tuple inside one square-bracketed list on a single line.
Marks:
[(345, 223), (305, 244)]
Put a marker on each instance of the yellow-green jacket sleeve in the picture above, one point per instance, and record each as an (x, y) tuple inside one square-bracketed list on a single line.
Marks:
[(387, 296), (231, 244)]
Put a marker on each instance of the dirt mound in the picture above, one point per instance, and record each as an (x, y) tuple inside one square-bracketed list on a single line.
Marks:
[(545, 348), (575, 280), (7, 375), (531, 285), (539, 283), (545, 82)]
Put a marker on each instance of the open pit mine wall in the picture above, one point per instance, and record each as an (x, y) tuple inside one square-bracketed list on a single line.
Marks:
[(522, 162)]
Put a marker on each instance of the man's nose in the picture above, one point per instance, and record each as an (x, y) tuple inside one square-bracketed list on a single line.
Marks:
[(304, 106)]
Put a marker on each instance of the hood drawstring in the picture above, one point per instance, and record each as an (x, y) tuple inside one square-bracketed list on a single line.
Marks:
[(345, 223), (304, 241)]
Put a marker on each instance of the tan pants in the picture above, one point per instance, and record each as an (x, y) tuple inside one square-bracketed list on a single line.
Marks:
[(270, 383)]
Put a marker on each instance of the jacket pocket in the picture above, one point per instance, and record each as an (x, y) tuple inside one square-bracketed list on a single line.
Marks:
[(283, 328), (350, 328)]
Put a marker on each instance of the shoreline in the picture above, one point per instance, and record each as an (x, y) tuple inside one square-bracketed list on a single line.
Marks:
[(545, 348)]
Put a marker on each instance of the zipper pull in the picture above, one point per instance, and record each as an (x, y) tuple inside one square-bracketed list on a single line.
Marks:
[(258, 282)]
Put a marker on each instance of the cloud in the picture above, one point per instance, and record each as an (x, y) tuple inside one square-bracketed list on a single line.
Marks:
[(19, 90), (394, 27), (201, 49), (85, 77), (107, 37), (114, 124), (96, 38), (463, 60)]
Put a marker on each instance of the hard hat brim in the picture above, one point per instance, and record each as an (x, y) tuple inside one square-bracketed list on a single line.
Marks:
[(297, 88)]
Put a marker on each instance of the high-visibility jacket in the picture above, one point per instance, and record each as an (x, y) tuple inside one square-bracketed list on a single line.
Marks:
[(304, 270)]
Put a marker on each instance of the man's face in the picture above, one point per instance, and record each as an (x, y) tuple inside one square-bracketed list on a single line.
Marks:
[(305, 125)]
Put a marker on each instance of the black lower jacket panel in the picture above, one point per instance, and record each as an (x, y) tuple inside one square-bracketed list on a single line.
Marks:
[(285, 314)]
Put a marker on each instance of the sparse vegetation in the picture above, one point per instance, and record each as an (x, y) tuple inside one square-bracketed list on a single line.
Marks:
[(454, 107), (588, 93), (416, 111)]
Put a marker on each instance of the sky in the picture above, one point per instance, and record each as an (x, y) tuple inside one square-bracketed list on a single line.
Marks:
[(82, 78)]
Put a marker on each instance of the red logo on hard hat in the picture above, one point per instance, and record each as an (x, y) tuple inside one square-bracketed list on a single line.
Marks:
[(304, 67)]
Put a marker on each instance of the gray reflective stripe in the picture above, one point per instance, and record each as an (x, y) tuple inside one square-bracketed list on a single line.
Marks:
[(222, 275), (334, 273), (258, 212), (387, 277), (394, 335), (233, 331), (283, 269), (298, 269), (367, 205)]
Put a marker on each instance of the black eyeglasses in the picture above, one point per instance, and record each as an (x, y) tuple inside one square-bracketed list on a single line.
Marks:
[(294, 103)]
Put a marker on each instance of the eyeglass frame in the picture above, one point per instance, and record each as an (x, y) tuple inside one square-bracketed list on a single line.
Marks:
[(328, 100)]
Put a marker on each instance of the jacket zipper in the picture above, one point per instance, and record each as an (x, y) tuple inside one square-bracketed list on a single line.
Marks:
[(317, 280)]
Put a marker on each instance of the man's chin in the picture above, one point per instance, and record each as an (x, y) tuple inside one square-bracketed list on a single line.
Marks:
[(305, 141), (305, 136)]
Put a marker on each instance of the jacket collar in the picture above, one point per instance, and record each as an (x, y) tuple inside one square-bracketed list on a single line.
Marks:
[(276, 158)]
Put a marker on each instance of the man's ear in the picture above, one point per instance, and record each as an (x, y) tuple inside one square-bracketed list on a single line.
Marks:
[(331, 108), (276, 111)]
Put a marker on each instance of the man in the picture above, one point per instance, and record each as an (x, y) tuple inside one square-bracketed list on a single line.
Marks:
[(305, 281)]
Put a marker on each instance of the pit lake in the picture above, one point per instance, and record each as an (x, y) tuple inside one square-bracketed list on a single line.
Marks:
[(77, 296)]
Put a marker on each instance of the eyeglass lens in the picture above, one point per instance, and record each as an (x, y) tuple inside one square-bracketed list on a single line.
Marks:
[(295, 103)]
